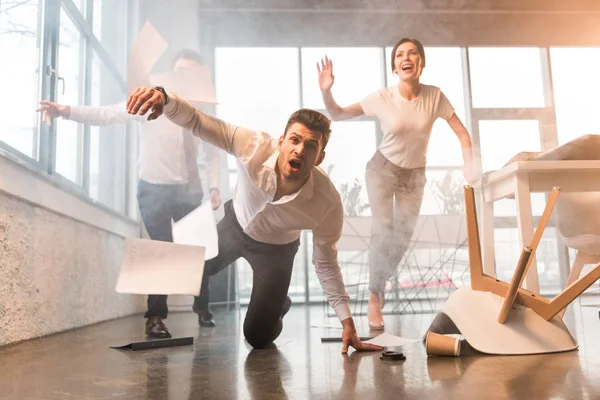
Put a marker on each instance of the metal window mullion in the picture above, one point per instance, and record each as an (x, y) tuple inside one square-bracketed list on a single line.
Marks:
[(471, 123), (87, 94), (47, 81), (305, 265)]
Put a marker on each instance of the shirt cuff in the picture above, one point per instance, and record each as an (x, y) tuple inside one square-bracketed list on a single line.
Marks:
[(169, 108), (342, 311)]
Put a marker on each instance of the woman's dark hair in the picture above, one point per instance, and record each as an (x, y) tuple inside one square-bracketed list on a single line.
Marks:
[(420, 49)]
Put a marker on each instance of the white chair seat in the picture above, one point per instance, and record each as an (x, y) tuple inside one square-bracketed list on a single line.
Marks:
[(588, 243)]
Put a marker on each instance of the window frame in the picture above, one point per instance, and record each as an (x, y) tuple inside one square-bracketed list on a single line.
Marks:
[(44, 140)]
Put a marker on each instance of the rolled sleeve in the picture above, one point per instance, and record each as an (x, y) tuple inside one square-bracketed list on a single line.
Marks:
[(325, 258), (233, 139)]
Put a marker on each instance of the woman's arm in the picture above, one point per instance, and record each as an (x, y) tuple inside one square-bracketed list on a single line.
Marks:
[(471, 171), (335, 111)]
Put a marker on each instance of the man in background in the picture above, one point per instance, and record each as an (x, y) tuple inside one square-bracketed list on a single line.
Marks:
[(169, 185)]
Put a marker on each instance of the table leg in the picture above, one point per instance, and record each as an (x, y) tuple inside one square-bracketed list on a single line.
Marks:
[(525, 226), (487, 226)]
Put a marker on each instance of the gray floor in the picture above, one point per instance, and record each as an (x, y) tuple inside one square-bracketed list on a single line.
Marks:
[(220, 365)]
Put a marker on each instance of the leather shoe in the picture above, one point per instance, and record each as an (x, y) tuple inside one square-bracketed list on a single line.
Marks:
[(205, 319), (156, 328)]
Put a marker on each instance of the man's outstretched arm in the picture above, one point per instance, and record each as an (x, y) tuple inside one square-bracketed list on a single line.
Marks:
[(233, 139), (90, 115), (325, 257)]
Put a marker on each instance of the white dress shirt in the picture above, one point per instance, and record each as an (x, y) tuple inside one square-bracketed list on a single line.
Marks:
[(161, 158), (316, 206)]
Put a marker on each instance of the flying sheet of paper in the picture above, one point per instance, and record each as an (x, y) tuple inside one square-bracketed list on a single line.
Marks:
[(155, 267), (192, 84), (145, 52), (387, 340), (198, 228)]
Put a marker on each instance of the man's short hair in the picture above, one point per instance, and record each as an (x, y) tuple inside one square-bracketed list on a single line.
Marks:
[(314, 121), (187, 54)]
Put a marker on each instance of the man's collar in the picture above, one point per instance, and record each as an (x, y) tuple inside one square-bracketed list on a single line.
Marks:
[(305, 191), (272, 160)]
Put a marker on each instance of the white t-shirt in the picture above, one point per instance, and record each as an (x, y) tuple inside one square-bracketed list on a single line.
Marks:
[(407, 125)]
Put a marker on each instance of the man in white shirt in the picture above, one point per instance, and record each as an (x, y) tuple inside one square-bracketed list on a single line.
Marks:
[(279, 193), (169, 184)]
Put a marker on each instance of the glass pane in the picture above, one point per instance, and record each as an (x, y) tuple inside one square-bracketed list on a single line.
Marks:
[(19, 64), (507, 251), (358, 72), (444, 192), (68, 133), (265, 95), (350, 147), (502, 140), (108, 176), (110, 26), (80, 5), (506, 77), (575, 94), (444, 70)]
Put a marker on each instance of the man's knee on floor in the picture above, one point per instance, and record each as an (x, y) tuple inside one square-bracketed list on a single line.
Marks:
[(258, 338)]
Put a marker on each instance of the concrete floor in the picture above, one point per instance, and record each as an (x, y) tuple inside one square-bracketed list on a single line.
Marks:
[(220, 365)]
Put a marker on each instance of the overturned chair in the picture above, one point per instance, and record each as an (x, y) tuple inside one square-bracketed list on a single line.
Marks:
[(500, 318)]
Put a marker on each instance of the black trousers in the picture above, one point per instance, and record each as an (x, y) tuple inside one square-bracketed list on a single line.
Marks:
[(272, 272), (158, 205)]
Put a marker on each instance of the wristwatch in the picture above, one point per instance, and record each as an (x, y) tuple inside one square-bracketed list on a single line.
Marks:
[(164, 92)]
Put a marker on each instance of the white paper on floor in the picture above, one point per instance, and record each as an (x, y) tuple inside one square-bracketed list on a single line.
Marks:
[(198, 228), (387, 340), (155, 267)]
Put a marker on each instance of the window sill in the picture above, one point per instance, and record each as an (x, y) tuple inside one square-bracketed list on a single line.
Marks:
[(26, 182)]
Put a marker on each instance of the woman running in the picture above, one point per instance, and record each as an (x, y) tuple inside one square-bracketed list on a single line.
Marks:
[(395, 176)]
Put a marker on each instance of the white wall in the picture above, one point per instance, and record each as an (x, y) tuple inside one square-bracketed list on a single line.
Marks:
[(59, 258)]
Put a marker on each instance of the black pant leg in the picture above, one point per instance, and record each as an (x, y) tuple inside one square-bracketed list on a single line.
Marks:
[(272, 271), (155, 206), (230, 236)]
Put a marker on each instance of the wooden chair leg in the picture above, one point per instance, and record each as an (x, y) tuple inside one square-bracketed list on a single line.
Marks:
[(570, 293), (581, 259), (526, 258), (474, 246)]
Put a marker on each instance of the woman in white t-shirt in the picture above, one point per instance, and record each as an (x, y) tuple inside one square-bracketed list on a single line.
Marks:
[(395, 176)]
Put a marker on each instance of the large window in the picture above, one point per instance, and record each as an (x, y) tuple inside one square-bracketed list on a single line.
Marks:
[(72, 52), (504, 84), (576, 86), (506, 77), (19, 75)]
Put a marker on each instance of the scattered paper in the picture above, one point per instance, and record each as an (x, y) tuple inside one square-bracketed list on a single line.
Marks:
[(155, 267), (387, 340), (198, 228), (192, 84), (148, 47)]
